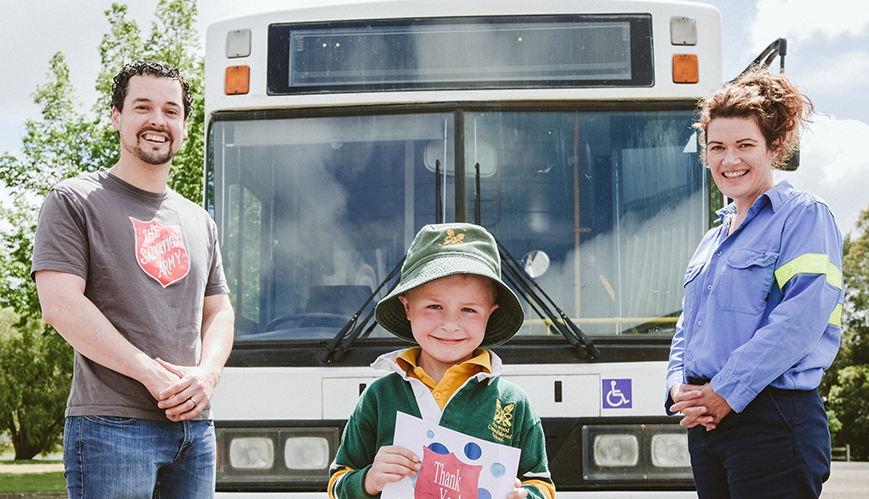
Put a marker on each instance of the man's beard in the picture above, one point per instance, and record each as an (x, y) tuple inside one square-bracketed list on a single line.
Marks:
[(151, 157)]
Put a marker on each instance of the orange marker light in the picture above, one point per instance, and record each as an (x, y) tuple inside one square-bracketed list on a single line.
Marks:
[(685, 68), (237, 80)]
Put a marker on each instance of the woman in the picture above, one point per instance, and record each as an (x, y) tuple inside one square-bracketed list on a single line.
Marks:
[(762, 313)]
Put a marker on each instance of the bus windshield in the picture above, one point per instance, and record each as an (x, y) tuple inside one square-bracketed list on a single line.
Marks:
[(315, 212)]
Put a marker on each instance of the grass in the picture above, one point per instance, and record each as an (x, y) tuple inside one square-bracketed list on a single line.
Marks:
[(29, 461), (23, 483), (31, 482)]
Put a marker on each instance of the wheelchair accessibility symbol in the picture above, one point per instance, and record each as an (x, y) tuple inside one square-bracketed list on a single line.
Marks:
[(617, 394)]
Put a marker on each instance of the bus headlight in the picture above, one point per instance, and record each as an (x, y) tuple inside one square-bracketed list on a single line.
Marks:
[(275, 456), (616, 450), (613, 452), (251, 453), (306, 453), (670, 451)]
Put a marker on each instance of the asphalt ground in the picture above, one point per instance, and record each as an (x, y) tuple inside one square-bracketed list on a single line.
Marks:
[(847, 480)]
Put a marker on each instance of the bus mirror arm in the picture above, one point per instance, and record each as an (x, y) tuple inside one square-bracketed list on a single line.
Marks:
[(776, 48), (342, 341), (765, 58), (530, 289)]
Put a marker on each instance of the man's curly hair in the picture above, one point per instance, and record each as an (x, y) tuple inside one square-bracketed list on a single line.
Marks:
[(121, 82)]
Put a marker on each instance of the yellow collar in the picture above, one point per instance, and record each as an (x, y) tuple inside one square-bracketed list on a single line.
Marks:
[(453, 379)]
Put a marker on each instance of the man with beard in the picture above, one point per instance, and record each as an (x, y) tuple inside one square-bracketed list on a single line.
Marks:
[(129, 273)]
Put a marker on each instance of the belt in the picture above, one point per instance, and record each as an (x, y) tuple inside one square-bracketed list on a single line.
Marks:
[(693, 380)]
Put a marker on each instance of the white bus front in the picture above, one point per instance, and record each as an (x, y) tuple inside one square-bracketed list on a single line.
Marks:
[(566, 133)]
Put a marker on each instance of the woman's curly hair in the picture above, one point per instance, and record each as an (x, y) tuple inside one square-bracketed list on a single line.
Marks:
[(776, 105)]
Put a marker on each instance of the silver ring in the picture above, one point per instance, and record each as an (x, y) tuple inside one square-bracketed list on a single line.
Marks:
[(193, 400)]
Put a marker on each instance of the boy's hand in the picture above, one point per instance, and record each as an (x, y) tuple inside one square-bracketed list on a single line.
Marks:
[(518, 492), (391, 464)]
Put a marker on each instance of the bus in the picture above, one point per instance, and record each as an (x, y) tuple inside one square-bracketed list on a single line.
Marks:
[(334, 133)]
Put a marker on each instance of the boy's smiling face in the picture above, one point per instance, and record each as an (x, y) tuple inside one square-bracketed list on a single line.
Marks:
[(448, 317)]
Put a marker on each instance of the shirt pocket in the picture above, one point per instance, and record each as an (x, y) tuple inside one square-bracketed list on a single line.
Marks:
[(746, 280)]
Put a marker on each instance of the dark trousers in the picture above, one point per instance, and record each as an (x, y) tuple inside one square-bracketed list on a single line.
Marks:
[(778, 447)]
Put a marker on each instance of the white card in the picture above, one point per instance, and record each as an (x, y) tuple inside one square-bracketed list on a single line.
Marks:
[(454, 465)]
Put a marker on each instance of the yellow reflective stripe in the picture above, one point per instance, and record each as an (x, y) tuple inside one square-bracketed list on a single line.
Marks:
[(836, 316), (810, 263)]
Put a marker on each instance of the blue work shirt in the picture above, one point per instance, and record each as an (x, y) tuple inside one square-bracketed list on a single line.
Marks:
[(763, 305)]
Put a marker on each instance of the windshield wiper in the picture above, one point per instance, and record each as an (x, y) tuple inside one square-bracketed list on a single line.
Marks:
[(439, 208), (339, 344), (532, 293)]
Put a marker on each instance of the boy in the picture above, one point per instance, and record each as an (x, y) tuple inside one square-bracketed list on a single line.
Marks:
[(452, 303)]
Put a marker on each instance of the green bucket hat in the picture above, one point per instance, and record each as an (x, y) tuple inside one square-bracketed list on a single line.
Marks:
[(443, 250)]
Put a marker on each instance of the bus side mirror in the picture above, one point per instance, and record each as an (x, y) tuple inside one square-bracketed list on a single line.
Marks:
[(792, 163)]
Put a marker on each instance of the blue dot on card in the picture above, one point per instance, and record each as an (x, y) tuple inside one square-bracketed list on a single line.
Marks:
[(473, 451), (498, 470), (483, 494), (439, 448), (429, 434)]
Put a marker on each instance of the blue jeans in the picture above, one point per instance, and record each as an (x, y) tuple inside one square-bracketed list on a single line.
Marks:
[(779, 446), (116, 457)]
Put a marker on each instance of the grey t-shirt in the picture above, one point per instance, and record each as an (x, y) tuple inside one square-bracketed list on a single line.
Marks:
[(148, 260)]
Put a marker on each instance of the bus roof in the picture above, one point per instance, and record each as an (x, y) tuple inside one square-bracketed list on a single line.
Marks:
[(708, 50)]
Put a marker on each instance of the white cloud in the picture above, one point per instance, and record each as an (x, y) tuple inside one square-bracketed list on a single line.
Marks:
[(851, 71), (805, 20), (834, 166)]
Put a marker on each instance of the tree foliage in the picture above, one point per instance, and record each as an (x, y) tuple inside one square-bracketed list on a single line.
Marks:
[(856, 275), (35, 374), (63, 143), (849, 410), (847, 382)]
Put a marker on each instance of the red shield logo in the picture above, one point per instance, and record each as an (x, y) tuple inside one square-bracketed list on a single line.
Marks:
[(443, 476), (160, 251)]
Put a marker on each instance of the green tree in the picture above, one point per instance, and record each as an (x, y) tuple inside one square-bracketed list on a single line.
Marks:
[(173, 39), (855, 263), (849, 410), (62, 144), (847, 382), (35, 374)]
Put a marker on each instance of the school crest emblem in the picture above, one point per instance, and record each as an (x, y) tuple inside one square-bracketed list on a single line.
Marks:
[(504, 413), (502, 423), (453, 239), (160, 251)]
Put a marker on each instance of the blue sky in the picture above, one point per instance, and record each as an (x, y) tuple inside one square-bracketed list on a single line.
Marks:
[(827, 57)]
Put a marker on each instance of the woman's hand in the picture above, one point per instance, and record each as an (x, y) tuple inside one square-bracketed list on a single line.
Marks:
[(700, 405), (391, 464), (686, 398)]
